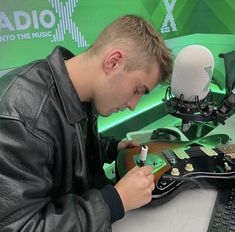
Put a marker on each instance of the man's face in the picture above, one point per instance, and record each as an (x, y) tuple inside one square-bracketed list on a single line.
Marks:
[(124, 90)]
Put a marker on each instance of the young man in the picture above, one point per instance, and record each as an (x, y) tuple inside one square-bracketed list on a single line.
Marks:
[(51, 157)]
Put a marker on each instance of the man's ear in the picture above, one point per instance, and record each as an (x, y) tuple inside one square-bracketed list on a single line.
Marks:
[(113, 61)]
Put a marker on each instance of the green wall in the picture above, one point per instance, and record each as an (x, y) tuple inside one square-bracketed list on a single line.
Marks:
[(28, 29), (31, 29)]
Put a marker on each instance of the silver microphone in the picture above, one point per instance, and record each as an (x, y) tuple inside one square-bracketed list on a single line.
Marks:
[(191, 77), (192, 73)]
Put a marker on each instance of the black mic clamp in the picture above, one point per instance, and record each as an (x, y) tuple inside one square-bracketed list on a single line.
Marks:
[(196, 110), (222, 112)]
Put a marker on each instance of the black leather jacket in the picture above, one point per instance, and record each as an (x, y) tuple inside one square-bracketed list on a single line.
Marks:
[(50, 154)]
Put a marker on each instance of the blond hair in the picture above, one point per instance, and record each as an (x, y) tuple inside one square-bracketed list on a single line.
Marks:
[(144, 44)]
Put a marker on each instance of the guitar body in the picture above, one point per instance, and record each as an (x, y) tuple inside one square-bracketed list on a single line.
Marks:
[(184, 165)]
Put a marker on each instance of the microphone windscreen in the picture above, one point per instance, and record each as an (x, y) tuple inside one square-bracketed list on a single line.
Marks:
[(192, 72)]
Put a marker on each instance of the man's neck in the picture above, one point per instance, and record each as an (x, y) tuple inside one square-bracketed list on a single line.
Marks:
[(81, 72)]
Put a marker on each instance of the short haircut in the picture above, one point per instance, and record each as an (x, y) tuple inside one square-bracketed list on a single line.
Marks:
[(144, 44)]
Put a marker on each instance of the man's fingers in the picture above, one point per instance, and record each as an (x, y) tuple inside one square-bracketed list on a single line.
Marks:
[(152, 186), (150, 178), (146, 170)]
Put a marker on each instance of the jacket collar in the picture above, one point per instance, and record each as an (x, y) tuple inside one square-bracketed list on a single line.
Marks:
[(69, 97)]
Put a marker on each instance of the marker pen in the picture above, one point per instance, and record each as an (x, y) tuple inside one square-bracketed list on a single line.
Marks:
[(143, 155)]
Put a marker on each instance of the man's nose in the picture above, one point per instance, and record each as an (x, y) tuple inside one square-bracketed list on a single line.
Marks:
[(133, 102)]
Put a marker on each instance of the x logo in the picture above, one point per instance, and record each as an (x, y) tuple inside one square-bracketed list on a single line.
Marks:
[(66, 23), (209, 72), (169, 17)]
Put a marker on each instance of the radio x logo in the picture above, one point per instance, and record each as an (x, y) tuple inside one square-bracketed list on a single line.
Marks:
[(66, 22), (169, 17)]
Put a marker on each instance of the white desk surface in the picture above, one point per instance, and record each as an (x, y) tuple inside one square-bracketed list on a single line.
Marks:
[(189, 211)]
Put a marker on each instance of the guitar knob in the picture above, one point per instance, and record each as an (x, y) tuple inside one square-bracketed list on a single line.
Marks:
[(189, 167), (175, 172), (227, 167)]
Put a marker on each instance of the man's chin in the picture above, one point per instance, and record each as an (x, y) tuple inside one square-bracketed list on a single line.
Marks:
[(106, 114)]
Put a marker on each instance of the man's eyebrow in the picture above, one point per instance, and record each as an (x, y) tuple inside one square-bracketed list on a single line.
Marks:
[(146, 90)]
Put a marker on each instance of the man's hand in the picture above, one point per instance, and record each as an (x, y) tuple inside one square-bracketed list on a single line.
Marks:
[(135, 188), (126, 144)]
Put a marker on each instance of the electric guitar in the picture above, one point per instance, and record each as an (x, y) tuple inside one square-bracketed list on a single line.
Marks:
[(206, 162)]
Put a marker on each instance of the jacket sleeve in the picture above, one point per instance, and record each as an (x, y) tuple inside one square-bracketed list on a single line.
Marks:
[(25, 185), (108, 148)]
